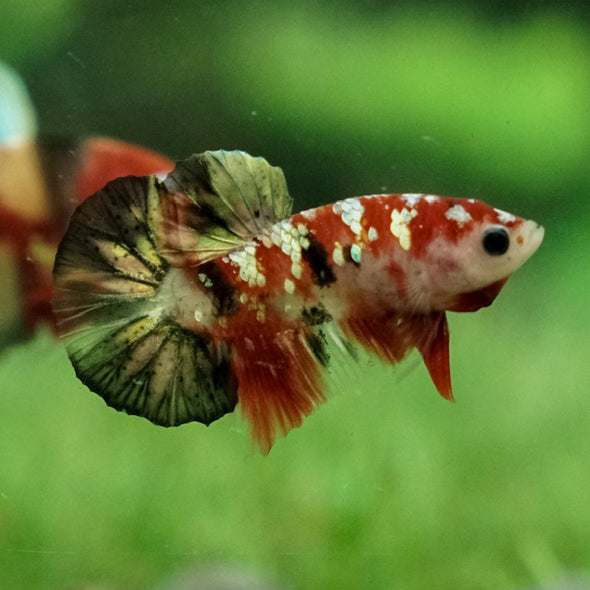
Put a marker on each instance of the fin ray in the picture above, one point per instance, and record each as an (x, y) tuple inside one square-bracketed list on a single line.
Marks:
[(279, 378)]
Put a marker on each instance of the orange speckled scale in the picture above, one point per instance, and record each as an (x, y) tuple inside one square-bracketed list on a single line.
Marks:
[(180, 298)]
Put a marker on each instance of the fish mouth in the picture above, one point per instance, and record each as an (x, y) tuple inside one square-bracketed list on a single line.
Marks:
[(531, 237)]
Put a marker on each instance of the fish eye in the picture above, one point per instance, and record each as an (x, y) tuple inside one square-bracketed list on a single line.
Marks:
[(496, 240)]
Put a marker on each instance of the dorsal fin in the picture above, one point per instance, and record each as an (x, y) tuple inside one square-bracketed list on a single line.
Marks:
[(216, 201)]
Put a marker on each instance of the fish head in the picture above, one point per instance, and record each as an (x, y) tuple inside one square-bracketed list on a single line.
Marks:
[(473, 250)]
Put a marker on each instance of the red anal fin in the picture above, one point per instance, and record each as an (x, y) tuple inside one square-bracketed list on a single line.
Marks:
[(434, 348), (279, 380), (391, 336)]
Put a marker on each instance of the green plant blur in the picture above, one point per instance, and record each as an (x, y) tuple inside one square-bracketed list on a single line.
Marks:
[(386, 486)]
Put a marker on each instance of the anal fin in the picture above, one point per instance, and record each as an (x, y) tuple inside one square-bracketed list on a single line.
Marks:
[(279, 380), (391, 336)]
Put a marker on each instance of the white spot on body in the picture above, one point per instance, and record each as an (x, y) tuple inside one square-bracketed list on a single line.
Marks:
[(289, 286), (309, 214), (291, 239), (411, 198), (372, 234), (351, 212), (245, 260), (431, 198), (457, 213), (504, 216), (355, 253), (399, 227), (297, 270), (338, 254)]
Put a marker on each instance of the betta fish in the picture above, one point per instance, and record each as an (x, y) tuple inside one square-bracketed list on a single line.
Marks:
[(41, 182), (180, 298)]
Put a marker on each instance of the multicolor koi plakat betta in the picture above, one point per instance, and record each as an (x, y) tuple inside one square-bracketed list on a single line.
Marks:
[(180, 298)]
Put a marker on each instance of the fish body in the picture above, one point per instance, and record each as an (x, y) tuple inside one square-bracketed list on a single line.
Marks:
[(202, 290)]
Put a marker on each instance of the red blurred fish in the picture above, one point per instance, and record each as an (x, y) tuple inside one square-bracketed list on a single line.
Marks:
[(46, 181), (184, 296), (41, 183)]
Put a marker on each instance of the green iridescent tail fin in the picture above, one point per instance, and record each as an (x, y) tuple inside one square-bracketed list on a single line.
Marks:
[(124, 295)]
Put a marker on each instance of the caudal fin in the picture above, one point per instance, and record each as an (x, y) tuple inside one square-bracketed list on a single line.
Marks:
[(132, 319), (120, 335)]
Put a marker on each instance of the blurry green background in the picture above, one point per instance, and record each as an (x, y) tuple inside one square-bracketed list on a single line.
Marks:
[(386, 486)]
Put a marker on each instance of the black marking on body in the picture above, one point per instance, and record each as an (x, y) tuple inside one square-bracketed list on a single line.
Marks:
[(317, 258), (223, 294), (315, 315), (318, 344)]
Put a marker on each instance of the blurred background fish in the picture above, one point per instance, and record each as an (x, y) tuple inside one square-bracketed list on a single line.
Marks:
[(42, 180)]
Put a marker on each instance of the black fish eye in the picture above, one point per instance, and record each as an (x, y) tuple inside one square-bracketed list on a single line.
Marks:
[(496, 240)]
